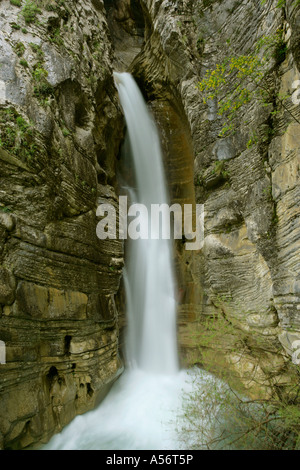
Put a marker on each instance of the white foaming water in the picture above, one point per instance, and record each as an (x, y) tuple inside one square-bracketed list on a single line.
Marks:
[(141, 410), (139, 413)]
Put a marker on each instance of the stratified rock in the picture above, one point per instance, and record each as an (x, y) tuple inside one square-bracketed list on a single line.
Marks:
[(248, 269), (7, 286), (60, 128)]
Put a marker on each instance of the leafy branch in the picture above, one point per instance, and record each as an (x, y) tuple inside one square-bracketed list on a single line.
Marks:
[(239, 80)]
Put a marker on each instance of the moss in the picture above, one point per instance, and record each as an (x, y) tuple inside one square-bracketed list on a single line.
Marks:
[(200, 44), (24, 63), (66, 132), (280, 51), (209, 3), (15, 26), (42, 89), (19, 49), (16, 3), (39, 73), (17, 135), (30, 11), (55, 37), (38, 51), (220, 169), (5, 209)]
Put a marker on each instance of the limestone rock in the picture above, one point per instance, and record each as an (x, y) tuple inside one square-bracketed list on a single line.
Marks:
[(248, 268), (7, 286), (60, 128)]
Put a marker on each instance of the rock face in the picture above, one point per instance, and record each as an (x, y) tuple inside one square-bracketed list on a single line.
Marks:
[(247, 274), (60, 130)]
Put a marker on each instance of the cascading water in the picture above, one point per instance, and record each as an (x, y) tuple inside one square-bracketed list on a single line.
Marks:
[(141, 409), (149, 278)]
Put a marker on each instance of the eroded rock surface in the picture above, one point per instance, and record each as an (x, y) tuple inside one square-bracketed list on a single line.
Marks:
[(248, 271), (61, 127)]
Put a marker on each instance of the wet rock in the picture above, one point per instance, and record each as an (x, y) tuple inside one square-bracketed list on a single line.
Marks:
[(60, 127), (7, 286)]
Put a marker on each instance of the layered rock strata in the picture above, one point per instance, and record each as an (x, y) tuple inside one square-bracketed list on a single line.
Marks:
[(245, 279), (61, 127)]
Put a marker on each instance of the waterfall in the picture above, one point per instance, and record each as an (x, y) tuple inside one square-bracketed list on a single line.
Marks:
[(142, 408), (149, 279)]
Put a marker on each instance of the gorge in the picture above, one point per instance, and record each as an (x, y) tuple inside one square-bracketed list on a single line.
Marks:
[(63, 133), (139, 409)]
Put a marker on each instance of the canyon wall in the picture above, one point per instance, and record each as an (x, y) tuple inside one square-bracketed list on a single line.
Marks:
[(60, 130), (242, 288)]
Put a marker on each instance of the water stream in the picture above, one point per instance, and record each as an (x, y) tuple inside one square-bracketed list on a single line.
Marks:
[(142, 408), (149, 279)]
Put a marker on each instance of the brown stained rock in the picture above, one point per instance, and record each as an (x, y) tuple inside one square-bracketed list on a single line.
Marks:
[(248, 269), (31, 300), (101, 307), (67, 304), (7, 221), (7, 286), (49, 191), (48, 303)]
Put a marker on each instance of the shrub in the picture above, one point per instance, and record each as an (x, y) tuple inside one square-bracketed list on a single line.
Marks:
[(24, 63), (19, 49), (241, 80), (30, 11), (17, 3), (217, 412), (216, 417), (15, 26), (16, 135)]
